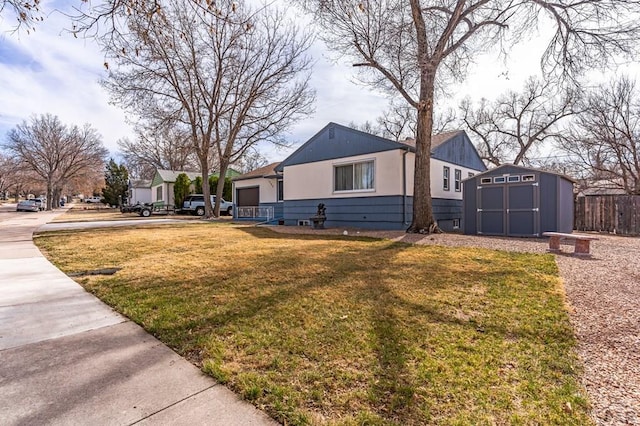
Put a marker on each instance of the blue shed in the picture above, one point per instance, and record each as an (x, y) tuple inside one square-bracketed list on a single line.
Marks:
[(517, 201)]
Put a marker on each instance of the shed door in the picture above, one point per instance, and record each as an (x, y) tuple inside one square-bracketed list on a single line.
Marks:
[(508, 209), (491, 210), (522, 210), (248, 197)]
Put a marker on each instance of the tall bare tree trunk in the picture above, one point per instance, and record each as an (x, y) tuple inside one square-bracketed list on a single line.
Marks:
[(423, 221)]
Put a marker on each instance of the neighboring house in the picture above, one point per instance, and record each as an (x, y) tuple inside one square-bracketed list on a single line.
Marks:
[(163, 181), (366, 181), (139, 191), (258, 194), (162, 184), (518, 201), (602, 187)]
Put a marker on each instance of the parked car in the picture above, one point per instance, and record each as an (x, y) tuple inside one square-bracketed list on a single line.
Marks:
[(97, 200), (27, 206), (194, 204)]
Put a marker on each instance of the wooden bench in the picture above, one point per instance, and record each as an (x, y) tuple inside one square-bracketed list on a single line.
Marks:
[(581, 242)]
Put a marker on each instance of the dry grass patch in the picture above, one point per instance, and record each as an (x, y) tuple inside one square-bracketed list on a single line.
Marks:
[(91, 212), (343, 330)]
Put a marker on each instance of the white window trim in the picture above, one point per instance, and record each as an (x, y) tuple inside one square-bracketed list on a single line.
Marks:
[(457, 180), (446, 178), (347, 163)]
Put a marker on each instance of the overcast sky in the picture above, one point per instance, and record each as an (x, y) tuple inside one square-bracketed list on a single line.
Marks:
[(50, 71)]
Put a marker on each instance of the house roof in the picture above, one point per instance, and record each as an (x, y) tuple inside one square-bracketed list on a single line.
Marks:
[(336, 141), (140, 183), (172, 175), (266, 171), (601, 191), (436, 140)]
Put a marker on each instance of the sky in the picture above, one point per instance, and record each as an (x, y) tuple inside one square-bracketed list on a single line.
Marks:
[(50, 71)]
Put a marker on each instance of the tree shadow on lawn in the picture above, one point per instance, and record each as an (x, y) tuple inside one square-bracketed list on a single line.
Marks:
[(295, 317)]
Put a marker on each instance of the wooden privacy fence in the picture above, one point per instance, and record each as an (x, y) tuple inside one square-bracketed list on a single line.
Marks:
[(619, 214)]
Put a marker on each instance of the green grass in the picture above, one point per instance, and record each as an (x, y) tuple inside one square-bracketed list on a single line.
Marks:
[(343, 330)]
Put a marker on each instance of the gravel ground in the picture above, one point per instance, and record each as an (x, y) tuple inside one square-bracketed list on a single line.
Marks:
[(603, 293)]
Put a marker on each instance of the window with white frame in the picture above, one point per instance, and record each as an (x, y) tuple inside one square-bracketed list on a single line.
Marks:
[(280, 189), (458, 179), (445, 178), (354, 177), (159, 193)]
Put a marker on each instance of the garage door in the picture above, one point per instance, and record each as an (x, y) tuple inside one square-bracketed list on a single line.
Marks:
[(248, 197)]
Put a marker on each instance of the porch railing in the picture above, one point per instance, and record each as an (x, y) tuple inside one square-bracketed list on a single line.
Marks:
[(254, 212)]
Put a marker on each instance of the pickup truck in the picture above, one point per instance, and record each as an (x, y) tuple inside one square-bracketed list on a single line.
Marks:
[(194, 204)]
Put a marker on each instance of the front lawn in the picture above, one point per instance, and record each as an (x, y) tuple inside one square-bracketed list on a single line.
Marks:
[(344, 330)]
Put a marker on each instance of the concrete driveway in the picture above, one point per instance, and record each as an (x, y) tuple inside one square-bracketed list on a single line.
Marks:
[(67, 358)]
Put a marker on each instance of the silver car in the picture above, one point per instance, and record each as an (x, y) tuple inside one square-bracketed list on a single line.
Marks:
[(27, 206)]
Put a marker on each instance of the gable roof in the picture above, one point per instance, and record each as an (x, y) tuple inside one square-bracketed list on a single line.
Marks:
[(140, 183), (266, 171), (456, 148), (336, 141), (172, 175)]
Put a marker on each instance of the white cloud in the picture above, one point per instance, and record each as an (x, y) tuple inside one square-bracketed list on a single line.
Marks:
[(49, 71)]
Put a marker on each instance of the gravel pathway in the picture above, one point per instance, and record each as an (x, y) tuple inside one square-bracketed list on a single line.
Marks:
[(603, 292)]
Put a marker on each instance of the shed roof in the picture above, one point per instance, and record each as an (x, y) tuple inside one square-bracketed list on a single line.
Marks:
[(521, 168)]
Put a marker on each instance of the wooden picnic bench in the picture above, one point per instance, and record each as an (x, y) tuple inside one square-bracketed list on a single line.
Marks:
[(581, 242)]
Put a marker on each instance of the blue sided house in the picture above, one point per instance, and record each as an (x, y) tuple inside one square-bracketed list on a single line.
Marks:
[(364, 181)]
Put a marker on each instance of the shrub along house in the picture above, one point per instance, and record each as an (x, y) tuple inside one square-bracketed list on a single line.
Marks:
[(366, 181), (518, 201)]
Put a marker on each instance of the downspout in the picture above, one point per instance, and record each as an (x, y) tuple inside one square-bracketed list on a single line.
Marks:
[(404, 186)]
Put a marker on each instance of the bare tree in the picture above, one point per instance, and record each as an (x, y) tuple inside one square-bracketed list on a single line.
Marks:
[(399, 121), (8, 171), (25, 12), (251, 160), (56, 153), (514, 127), (401, 47), (605, 139), (158, 146), (232, 79)]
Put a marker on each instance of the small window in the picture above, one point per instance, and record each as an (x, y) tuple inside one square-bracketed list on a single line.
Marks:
[(458, 179), (499, 179), (528, 178), (332, 132), (159, 193), (513, 179), (445, 178), (486, 180), (456, 223), (280, 189), (354, 177), (471, 174)]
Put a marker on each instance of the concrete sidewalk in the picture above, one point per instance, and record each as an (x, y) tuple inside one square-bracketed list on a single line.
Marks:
[(67, 358)]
